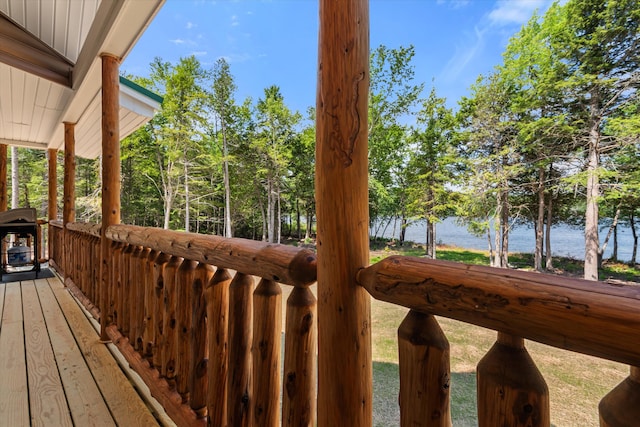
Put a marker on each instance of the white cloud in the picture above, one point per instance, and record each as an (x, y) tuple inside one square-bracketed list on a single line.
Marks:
[(454, 4), (236, 57), (190, 25), (234, 21), (199, 53), (474, 44), (177, 41), (516, 12)]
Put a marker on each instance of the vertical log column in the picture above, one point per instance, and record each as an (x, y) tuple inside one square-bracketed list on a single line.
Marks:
[(110, 173), (52, 157), (344, 316), (3, 177), (3, 188), (69, 206)]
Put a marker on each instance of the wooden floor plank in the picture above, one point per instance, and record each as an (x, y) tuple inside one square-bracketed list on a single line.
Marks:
[(125, 404), (46, 396), (83, 395), (14, 395), (2, 289)]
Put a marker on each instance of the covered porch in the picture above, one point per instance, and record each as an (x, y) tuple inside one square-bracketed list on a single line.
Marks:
[(199, 318)]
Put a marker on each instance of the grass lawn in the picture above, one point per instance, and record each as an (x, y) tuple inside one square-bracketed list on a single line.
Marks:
[(576, 382)]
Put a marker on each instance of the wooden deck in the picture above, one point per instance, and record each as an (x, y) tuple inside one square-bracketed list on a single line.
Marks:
[(53, 369)]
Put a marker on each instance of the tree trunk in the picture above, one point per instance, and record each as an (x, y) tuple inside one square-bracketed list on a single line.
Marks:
[(227, 186), (591, 239), (612, 228), (540, 221), (186, 194), (548, 256), (278, 225), (307, 234), (15, 178), (504, 230), (632, 224), (298, 218), (614, 255), (403, 229)]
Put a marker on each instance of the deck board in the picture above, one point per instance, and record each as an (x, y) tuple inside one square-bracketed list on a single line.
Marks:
[(85, 402), (53, 369), (14, 393), (46, 396), (125, 404)]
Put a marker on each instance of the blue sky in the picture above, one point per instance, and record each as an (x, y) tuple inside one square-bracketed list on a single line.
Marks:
[(274, 42)]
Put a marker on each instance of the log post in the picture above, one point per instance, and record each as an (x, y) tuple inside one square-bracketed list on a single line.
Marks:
[(425, 375), (621, 406), (110, 170), (138, 298), (267, 332), (135, 277), (148, 325), (116, 284), (239, 398), (344, 318), (511, 389), (299, 394), (125, 299), (3, 177), (52, 206), (198, 369), (217, 298), (69, 206)]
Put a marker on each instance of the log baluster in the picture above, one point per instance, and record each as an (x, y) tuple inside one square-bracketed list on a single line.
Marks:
[(170, 346), (621, 406), (267, 332), (125, 301), (185, 278), (116, 282), (423, 355), (158, 308), (239, 399), (217, 301), (198, 368), (299, 396), (511, 390), (149, 290), (137, 297), (95, 267)]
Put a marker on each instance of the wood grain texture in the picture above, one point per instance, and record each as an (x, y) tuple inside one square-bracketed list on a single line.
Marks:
[(511, 390), (184, 328), (198, 368), (3, 177), (69, 189), (281, 263), (620, 407), (239, 397), (14, 395), (47, 401), (169, 343), (299, 394), (267, 332), (148, 326), (573, 314), (52, 180), (124, 403), (85, 402), (425, 374), (158, 305), (344, 318), (217, 300)]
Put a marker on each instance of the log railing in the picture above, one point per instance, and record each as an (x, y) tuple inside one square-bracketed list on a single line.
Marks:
[(588, 317), (55, 242), (186, 313)]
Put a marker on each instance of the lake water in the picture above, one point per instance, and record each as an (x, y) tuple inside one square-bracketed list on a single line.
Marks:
[(565, 240)]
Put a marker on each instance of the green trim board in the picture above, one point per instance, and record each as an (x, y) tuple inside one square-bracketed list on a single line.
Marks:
[(141, 90)]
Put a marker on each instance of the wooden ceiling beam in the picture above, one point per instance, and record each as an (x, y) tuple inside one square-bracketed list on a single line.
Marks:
[(22, 50)]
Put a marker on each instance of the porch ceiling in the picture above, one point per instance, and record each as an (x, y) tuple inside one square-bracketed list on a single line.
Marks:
[(50, 69)]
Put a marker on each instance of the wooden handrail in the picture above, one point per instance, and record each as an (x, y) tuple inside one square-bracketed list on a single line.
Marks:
[(56, 223), (85, 227), (280, 263), (573, 314)]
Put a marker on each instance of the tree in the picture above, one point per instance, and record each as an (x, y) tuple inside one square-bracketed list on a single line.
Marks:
[(223, 107), (600, 44), (392, 97), (430, 168), (274, 136)]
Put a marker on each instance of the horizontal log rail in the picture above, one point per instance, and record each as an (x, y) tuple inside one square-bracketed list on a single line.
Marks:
[(190, 317), (284, 264), (594, 318)]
